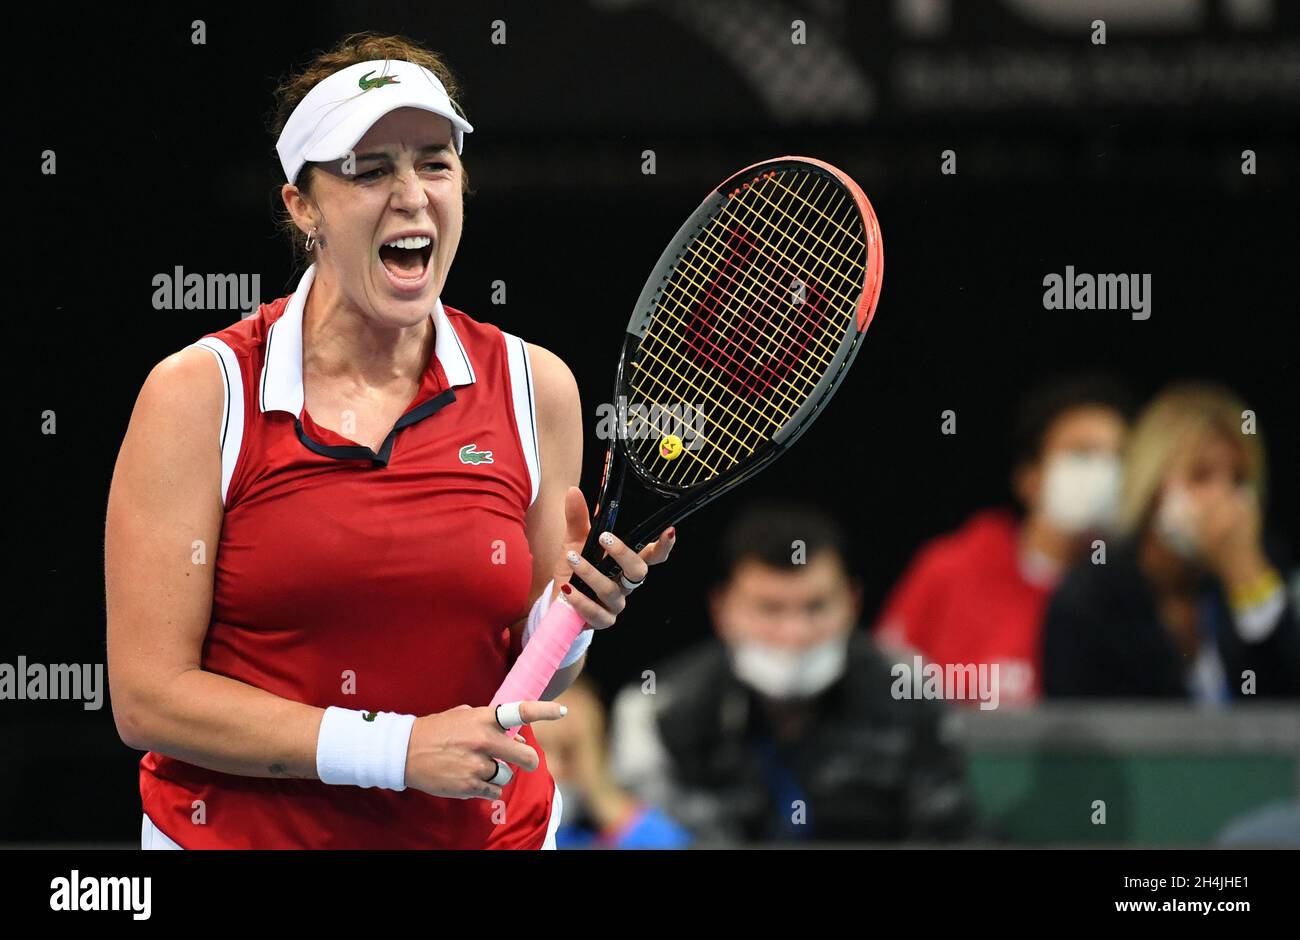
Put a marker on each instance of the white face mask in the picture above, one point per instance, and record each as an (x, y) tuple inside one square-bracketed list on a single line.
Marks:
[(787, 674), (1175, 523), (1081, 492)]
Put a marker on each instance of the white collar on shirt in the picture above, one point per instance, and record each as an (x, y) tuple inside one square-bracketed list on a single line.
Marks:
[(280, 388)]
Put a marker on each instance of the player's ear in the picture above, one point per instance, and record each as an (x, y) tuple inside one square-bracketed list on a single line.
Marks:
[(300, 207)]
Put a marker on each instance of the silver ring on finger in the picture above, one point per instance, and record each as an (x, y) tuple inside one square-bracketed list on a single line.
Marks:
[(503, 774)]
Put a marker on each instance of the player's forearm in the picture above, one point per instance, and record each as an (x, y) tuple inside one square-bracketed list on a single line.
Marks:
[(222, 724)]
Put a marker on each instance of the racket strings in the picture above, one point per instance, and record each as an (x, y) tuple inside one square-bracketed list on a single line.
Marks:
[(831, 224), (694, 342), (726, 327), (791, 334), (778, 236), (773, 422), (711, 251), (828, 272), (686, 300), (700, 340), (756, 436), (776, 331), (787, 332), (767, 297), (674, 393), (779, 326)]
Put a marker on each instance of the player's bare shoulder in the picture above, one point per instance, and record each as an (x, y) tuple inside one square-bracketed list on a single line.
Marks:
[(559, 408), (173, 439), (184, 388)]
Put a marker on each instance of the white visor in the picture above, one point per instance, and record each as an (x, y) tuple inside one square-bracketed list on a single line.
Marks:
[(336, 113)]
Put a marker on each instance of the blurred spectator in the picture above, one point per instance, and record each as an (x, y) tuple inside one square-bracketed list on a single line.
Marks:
[(977, 595), (786, 729), (1189, 601), (596, 813)]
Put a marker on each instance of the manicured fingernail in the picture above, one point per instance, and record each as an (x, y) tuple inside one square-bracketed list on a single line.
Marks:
[(565, 589), (574, 558), (564, 710), (607, 539), (672, 532)]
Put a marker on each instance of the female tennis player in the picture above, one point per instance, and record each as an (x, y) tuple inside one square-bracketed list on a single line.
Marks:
[(331, 524)]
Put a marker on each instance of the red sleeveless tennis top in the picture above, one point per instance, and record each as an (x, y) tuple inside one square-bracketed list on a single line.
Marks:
[(374, 580)]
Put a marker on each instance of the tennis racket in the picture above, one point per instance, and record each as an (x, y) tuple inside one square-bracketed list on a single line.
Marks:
[(744, 330)]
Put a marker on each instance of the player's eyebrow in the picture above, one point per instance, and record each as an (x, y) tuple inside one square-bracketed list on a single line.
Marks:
[(423, 151)]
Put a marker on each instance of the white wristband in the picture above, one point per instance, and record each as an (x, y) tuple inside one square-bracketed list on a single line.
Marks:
[(540, 607), (363, 749)]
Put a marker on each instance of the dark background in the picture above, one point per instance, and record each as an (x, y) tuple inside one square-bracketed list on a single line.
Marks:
[(1117, 158)]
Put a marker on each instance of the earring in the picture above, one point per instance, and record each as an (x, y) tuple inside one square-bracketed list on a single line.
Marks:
[(312, 240)]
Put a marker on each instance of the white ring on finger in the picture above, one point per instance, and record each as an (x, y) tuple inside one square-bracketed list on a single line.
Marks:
[(629, 586), (503, 774), (508, 716)]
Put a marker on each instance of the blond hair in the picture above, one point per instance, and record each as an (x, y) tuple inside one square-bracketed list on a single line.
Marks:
[(351, 49), (1180, 417)]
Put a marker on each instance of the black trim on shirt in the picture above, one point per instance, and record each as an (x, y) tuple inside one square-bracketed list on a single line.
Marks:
[(360, 451)]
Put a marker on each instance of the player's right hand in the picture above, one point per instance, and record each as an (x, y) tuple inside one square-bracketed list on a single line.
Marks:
[(454, 753)]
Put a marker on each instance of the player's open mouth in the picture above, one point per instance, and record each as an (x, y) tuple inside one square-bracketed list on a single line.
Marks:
[(407, 260)]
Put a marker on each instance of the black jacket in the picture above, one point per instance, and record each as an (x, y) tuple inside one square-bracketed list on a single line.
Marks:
[(1103, 637), (868, 767)]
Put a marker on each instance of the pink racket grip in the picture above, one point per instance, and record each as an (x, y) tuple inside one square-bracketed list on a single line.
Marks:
[(541, 658)]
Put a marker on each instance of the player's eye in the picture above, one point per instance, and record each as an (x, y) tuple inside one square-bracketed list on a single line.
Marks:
[(436, 165), (370, 174)]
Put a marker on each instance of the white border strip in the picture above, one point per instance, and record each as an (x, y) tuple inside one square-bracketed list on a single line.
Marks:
[(521, 388), (232, 414), (557, 814), (151, 837)]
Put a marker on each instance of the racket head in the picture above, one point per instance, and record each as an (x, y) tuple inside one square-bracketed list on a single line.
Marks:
[(744, 330)]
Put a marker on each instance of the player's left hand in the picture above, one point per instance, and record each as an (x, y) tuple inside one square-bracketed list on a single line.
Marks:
[(612, 592)]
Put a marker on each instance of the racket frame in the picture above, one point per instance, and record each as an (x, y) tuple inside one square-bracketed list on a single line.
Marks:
[(619, 458)]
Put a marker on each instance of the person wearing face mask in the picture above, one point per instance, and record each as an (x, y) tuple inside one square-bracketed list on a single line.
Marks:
[(784, 727), (1189, 603), (977, 596)]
